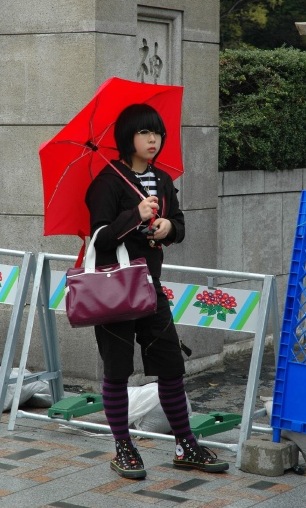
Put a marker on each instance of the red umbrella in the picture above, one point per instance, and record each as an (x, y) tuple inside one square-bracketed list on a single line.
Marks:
[(72, 158)]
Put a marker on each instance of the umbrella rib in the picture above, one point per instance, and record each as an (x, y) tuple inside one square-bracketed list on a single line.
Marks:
[(91, 119), (97, 139), (71, 143), (168, 166), (101, 136), (64, 174)]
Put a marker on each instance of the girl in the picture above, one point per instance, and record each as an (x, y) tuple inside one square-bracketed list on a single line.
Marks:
[(140, 135)]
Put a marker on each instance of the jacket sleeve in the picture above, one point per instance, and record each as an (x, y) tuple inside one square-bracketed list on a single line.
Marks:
[(103, 202), (176, 217)]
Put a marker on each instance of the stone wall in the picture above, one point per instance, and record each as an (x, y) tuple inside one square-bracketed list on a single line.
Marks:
[(53, 56), (257, 214)]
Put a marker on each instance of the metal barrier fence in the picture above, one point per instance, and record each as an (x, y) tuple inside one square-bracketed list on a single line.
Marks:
[(40, 299)]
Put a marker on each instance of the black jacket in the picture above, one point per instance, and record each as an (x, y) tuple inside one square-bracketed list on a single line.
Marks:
[(111, 201)]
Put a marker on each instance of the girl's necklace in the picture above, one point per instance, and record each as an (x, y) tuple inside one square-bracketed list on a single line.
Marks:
[(140, 175), (147, 180)]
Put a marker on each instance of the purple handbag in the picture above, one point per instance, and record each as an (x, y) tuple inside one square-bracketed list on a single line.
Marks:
[(108, 294)]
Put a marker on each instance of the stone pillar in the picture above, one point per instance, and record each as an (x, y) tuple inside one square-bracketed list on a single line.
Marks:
[(53, 56)]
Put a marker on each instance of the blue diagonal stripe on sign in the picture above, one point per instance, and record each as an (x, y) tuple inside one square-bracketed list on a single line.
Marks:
[(206, 321), (10, 280), (245, 311), (184, 301), (58, 294)]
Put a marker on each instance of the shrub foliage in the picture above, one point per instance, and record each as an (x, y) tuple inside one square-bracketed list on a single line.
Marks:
[(262, 109)]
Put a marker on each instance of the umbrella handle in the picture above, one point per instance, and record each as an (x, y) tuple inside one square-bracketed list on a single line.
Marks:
[(153, 218)]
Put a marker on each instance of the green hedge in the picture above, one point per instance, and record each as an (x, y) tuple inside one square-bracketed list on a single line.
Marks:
[(262, 109)]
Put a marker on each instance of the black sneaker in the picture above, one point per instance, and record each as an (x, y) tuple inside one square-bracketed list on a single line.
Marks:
[(190, 454), (128, 462)]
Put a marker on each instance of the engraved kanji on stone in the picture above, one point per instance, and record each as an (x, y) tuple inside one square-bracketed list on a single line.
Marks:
[(155, 62)]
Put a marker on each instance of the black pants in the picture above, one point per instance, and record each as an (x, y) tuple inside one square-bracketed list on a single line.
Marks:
[(157, 336)]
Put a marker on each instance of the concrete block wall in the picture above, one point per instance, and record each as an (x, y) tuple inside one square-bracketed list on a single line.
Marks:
[(257, 214), (53, 56)]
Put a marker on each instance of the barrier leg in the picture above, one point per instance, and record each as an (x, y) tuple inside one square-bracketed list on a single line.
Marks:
[(35, 303), (51, 350), (27, 269), (255, 366)]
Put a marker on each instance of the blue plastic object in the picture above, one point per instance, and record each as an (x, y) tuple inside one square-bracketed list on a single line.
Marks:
[(289, 402)]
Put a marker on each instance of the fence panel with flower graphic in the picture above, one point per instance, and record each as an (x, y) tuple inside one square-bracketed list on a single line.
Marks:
[(227, 309)]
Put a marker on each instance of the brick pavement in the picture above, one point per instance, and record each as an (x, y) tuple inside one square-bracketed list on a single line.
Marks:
[(43, 465)]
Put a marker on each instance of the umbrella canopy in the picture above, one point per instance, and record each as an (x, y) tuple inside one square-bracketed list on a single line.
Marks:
[(74, 156)]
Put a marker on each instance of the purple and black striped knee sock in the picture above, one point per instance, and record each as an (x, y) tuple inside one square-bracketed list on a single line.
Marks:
[(172, 397), (116, 406)]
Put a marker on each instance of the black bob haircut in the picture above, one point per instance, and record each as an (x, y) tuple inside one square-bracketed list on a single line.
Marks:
[(133, 119)]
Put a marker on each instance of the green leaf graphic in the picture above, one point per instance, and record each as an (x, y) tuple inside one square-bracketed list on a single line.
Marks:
[(212, 311)]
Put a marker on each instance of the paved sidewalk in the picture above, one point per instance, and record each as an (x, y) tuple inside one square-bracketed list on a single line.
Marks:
[(45, 465)]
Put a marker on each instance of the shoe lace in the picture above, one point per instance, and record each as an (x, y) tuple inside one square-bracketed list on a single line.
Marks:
[(130, 453), (207, 454)]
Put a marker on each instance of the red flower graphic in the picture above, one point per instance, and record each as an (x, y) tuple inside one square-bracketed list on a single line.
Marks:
[(216, 303), (169, 294)]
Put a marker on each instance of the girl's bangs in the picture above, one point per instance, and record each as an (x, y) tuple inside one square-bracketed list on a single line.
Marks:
[(152, 122)]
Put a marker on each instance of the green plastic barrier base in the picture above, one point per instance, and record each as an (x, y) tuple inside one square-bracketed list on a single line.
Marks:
[(77, 405), (86, 403), (213, 423)]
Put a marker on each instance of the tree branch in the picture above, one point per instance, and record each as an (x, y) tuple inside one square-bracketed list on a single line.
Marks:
[(231, 9)]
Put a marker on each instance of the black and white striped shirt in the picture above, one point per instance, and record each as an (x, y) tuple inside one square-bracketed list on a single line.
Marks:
[(148, 181)]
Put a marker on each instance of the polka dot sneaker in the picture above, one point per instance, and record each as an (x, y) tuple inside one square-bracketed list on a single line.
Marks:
[(190, 454), (128, 462)]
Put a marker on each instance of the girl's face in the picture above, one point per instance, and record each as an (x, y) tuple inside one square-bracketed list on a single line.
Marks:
[(147, 145)]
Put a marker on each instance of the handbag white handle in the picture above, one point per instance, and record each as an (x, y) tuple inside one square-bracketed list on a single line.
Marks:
[(90, 258)]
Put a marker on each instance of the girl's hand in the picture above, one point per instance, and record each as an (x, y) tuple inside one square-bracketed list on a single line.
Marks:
[(163, 228), (148, 208)]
